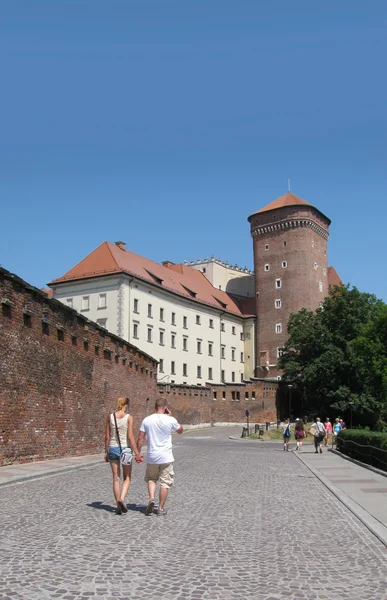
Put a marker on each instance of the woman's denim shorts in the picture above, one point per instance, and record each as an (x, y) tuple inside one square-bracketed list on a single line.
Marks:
[(114, 452)]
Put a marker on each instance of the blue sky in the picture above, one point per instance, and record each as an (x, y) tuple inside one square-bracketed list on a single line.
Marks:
[(166, 124)]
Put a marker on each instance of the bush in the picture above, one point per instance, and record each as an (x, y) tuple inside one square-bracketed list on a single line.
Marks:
[(369, 447)]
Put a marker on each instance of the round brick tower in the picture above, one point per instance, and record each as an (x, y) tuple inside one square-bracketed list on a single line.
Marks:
[(291, 271)]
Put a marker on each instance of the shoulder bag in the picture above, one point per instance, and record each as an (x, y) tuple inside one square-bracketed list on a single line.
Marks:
[(126, 455)]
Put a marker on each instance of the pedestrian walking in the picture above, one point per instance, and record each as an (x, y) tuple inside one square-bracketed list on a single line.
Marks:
[(158, 429), (328, 430), (299, 433), (319, 434), (286, 434), (342, 424), (119, 440), (336, 429)]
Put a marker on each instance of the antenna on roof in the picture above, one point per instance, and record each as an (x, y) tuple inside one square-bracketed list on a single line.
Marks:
[(288, 184)]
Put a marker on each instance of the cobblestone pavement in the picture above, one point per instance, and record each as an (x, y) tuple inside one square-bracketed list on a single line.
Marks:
[(244, 521)]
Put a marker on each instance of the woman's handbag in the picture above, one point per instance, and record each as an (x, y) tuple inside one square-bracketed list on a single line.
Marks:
[(126, 455)]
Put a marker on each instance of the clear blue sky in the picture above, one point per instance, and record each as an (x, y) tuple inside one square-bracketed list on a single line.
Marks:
[(166, 123)]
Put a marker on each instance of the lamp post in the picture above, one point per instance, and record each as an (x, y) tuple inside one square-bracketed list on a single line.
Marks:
[(290, 399), (350, 407)]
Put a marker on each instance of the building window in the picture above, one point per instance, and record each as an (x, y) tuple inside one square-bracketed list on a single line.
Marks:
[(199, 372), (241, 377), (284, 264), (320, 286), (149, 338), (232, 353), (85, 303), (233, 330), (267, 268), (173, 318), (266, 246), (315, 266), (210, 346), (185, 344), (161, 365), (222, 327), (185, 322), (233, 395), (246, 395), (161, 314), (223, 378), (161, 341), (197, 319), (325, 271), (278, 328), (277, 303), (222, 351), (185, 370), (242, 357), (223, 394), (102, 301), (173, 367), (238, 396), (173, 340), (214, 395), (69, 302), (242, 336), (135, 305), (101, 322), (253, 395), (199, 347), (285, 243), (209, 373), (233, 376), (150, 311), (135, 330), (280, 352), (278, 283), (211, 323)]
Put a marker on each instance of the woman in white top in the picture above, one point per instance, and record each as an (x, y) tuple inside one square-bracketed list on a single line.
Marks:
[(113, 450)]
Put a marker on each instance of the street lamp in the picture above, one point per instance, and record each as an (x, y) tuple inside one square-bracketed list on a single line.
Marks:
[(290, 399), (351, 404)]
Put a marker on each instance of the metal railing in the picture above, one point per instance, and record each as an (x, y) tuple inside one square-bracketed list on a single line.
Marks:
[(367, 453)]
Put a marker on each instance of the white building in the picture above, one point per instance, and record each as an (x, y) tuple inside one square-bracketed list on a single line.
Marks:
[(197, 331), (229, 278)]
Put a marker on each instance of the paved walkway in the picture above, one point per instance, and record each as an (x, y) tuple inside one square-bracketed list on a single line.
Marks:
[(244, 521), (362, 490)]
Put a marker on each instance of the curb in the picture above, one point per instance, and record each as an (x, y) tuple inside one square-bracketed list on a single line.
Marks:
[(372, 524), (357, 462), (48, 473)]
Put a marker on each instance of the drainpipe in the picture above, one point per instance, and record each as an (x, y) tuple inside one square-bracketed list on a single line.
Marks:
[(130, 309)]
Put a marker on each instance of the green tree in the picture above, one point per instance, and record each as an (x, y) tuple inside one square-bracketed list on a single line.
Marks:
[(325, 359)]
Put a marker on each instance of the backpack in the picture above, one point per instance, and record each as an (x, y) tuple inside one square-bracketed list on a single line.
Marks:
[(287, 432)]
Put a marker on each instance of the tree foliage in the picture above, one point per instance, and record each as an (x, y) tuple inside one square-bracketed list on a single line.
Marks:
[(336, 357)]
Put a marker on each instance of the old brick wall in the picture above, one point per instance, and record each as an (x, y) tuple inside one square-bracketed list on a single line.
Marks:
[(192, 405), (60, 376)]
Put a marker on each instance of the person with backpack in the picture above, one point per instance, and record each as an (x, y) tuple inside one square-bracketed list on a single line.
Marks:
[(286, 434), (299, 433)]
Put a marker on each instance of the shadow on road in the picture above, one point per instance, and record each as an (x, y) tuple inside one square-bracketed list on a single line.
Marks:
[(112, 509)]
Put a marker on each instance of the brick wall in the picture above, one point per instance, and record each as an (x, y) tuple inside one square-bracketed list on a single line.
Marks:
[(192, 405), (60, 375)]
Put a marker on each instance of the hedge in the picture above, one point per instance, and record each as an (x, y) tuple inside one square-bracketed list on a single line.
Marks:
[(369, 447)]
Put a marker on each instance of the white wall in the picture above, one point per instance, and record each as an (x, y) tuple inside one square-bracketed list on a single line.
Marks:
[(121, 293), (226, 278)]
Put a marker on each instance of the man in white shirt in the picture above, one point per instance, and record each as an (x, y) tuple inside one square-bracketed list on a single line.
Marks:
[(158, 429)]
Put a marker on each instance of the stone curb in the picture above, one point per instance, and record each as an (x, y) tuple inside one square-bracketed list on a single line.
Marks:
[(374, 526), (57, 470), (360, 464)]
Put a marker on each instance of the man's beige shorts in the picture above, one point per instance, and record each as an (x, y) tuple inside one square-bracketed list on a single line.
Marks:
[(162, 473)]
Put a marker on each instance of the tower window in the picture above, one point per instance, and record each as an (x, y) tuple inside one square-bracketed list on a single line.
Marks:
[(312, 243), (278, 283), (315, 265), (267, 267), (278, 328), (320, 286), (280, 352), (266, 246), (284, 264), (277, 303), (325, 271), (284, 243)]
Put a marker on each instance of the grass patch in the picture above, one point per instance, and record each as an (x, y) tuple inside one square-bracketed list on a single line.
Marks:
[(274, 435)]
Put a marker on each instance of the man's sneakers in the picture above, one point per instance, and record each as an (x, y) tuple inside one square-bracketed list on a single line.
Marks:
[(149, 509), (161, 512)]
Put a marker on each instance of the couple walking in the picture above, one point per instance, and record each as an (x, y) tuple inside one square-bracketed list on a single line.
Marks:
[(119, 441)]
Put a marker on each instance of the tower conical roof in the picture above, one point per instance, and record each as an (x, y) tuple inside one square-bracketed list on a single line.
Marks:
[(288, 199)]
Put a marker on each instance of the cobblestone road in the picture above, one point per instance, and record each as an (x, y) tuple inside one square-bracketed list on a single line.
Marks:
[(243, 522)]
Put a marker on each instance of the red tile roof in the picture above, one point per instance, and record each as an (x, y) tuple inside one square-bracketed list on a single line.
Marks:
[(288, 199), (333, 278), (110, 259)]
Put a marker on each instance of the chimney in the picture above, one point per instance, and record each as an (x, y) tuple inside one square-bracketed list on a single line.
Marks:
[(121, 245), (167, 263)]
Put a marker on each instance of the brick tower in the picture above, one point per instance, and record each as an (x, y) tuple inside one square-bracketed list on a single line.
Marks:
[(291, 271)]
